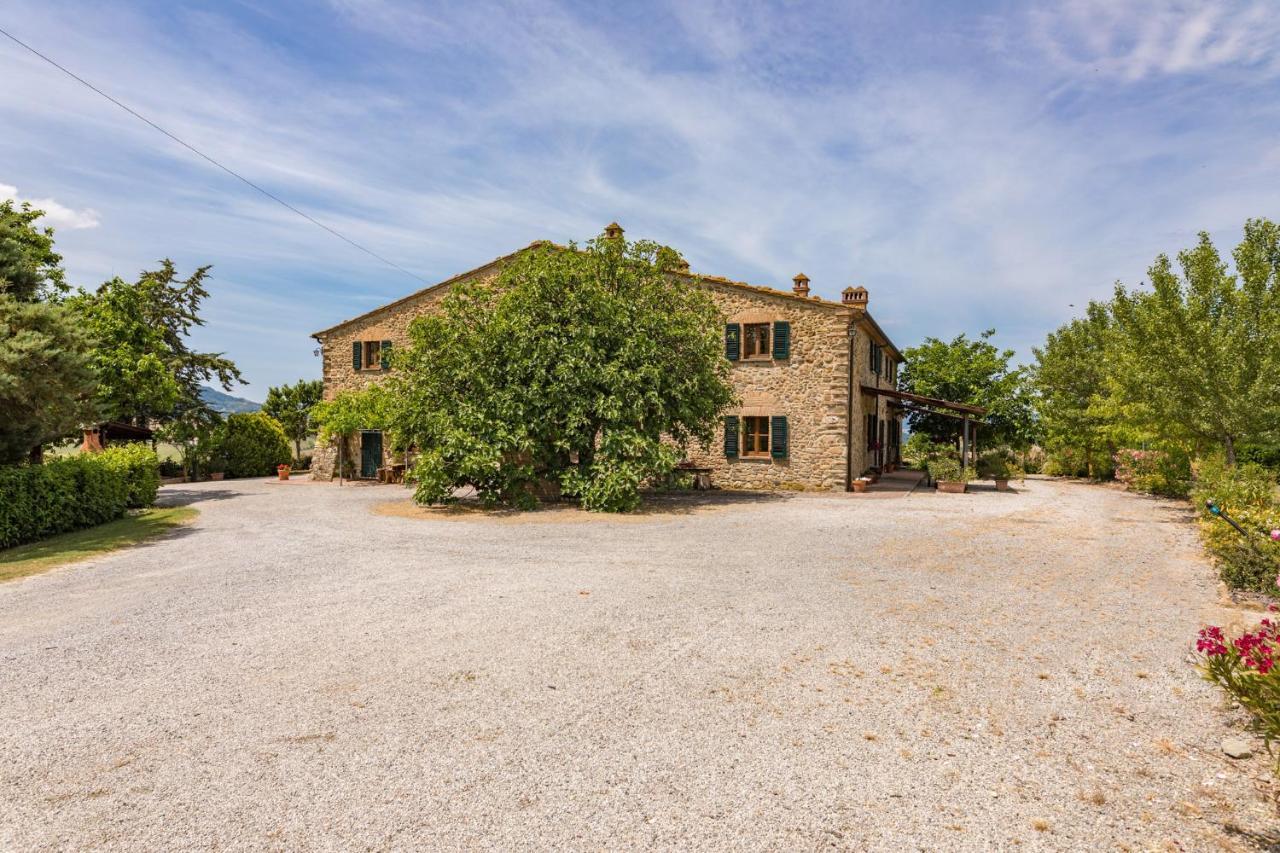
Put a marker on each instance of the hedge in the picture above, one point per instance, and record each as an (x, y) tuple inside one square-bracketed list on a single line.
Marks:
[(252, 445), (73, 492)]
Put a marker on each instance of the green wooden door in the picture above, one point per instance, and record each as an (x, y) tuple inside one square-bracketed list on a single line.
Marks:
[(370, 453)]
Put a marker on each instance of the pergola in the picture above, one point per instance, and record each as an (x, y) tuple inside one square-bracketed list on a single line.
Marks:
[(920, 404)]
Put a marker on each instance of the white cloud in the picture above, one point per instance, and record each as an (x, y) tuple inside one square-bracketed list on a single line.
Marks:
[(1133, 41), (56, 214)]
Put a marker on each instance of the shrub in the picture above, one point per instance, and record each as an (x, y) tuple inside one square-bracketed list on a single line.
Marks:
[(1156, 472), (1073, 462), (251, 445), (1246, 669), (170, 468), (920, 449), (1247, 493), (994, 465), (948, 468), (73, 492), (138, 466)]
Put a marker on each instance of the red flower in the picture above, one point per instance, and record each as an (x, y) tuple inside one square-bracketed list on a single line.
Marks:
[(1210, 642)]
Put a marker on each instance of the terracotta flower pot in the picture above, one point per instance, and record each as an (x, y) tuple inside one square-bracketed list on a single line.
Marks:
[(217, 475), (283, 471), (859, 485), (1002, 485), (952, 487)]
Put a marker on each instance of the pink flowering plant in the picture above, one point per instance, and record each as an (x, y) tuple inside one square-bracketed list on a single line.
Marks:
[(1246, 667)]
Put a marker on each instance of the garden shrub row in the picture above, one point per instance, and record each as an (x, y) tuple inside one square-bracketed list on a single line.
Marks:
[(73, 492), (1156, 472), (1247, 492)]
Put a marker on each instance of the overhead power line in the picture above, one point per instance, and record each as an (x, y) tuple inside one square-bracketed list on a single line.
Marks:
[(209, 159)]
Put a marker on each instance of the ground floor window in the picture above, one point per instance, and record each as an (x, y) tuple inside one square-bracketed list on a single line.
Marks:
[(755, 436)]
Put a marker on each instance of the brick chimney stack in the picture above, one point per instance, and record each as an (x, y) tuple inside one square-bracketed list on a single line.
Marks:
[(855, 297), (612, 231), (800, 284)]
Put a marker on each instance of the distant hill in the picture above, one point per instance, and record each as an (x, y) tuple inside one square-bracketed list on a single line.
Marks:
[(225, 403)]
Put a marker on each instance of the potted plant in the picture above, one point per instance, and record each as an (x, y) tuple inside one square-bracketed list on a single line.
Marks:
[(996, 468), (948, 474), (282, 471), (860, 484)]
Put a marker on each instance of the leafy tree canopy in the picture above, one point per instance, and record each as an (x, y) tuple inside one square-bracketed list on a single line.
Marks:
[(975, 372), (46, 382), (1197, 357), (291, 405), (145, 367), (585, 368), (30, 270)]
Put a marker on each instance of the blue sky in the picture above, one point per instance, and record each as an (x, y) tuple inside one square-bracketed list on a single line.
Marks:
[(973, 165)]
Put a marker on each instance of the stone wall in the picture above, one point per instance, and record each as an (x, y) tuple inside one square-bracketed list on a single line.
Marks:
[(390, 323), (811, 387)]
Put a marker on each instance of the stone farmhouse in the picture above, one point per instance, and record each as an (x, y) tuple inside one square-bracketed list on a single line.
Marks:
[(815, 378)]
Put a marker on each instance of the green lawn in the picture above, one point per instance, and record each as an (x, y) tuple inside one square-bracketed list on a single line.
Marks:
[(77, 545)]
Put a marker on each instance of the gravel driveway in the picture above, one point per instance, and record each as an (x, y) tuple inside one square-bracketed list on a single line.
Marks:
[(296, 671)]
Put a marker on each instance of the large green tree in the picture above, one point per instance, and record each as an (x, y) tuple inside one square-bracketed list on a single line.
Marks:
[(589, 368), (30, 270), (46, 382), (1071, 380), (291, 405), (46, 379), (973, 371), (1197, 357), (146, 369)]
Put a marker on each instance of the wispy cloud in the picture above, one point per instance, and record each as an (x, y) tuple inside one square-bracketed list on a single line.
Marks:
[(1135, 40), (977, 165)]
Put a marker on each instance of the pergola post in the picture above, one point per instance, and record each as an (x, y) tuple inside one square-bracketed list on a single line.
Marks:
[(964, 444)]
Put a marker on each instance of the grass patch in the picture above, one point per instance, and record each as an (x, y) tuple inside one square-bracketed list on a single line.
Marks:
[(36, 557)]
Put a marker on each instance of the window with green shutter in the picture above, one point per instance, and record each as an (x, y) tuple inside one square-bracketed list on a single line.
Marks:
[(781, 339), (384, 354), (731, 436), (778, 436), (357, 355), (732, 341)]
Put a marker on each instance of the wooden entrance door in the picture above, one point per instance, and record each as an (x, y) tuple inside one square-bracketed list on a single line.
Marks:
[(370, 453)]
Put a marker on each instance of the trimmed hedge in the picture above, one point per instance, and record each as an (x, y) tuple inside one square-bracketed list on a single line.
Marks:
[(252, 445), (73, 492)]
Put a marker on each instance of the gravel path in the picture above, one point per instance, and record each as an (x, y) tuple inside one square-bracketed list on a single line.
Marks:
[(296, 671)]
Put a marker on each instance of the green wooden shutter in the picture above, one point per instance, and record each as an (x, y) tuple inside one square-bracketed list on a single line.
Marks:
[(782, 339), (732, 341), (357, 353), (731, 436), (385, 353), (778, 436)]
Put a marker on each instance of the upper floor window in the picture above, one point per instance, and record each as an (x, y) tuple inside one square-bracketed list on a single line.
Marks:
[(755, 343), (370, 355)]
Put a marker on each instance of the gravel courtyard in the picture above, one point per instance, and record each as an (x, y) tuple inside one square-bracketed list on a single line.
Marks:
[(301, 669)]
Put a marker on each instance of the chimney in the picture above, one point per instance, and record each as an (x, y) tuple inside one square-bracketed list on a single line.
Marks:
[(854, 297), (612, 231), (682, 265), (800, 284)]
